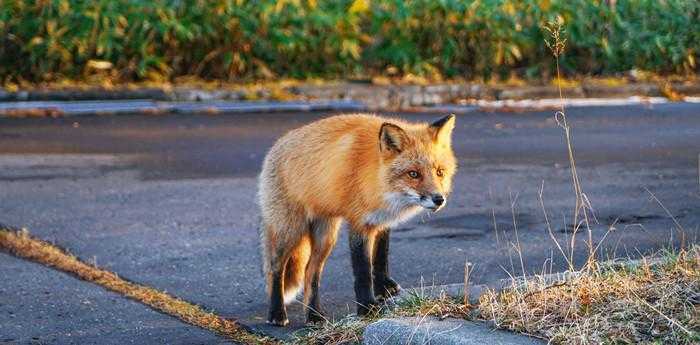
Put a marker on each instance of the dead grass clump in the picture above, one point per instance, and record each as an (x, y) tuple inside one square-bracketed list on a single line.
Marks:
[(349, 330), (443, 306), (21, 244), (644, 304)]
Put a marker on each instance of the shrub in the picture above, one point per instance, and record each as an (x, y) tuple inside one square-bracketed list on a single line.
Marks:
[(243, 40)]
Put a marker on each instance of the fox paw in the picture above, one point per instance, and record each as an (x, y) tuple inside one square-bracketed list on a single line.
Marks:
[(387, 288), (367, 308), (278, 319), (316, 317)]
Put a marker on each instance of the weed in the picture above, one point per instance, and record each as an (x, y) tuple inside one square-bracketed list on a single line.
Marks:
[(646, 303)]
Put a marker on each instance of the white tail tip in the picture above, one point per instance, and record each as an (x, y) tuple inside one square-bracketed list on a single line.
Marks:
[(291, 295)]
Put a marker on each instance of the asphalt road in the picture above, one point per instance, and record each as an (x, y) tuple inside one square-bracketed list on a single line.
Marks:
[(169, 201)]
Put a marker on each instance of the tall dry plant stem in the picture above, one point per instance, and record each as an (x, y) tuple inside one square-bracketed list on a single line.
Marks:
[(467, 278), (557, 43)]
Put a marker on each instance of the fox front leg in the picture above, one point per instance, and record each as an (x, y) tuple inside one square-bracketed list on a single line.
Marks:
[(362, 269), (384, 286)]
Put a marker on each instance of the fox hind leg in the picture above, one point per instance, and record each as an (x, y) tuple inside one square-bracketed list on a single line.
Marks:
[(286, 247), (324, 233)]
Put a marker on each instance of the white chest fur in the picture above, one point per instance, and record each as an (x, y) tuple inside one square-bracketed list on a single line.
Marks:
[(398, 208)]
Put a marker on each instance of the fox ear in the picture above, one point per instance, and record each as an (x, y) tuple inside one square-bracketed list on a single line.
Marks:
[(392, 138), (441, 130)]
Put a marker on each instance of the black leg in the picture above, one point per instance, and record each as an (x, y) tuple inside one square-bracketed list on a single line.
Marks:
[(361, 267), (278, 313), (384, 286), (315, 313)]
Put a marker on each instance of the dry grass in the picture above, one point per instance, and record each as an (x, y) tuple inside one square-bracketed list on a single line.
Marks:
[(21, 244), (347, 330), (657, 301), (415, 303), (645, 304), (442, 306)]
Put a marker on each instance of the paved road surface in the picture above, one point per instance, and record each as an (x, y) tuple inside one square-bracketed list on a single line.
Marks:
[(169, 201)]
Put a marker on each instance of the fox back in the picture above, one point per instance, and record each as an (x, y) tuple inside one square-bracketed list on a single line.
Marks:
[(343, 166)]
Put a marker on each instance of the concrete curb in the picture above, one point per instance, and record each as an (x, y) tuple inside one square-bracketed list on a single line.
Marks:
[(373, 97), (78, 108), (150, 107), (434, 331)]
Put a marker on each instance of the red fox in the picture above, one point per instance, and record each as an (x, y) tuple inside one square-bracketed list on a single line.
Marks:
[(370, 171)]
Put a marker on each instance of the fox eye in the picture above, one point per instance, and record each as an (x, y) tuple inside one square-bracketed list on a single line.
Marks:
[(440, 172), (414, 174)]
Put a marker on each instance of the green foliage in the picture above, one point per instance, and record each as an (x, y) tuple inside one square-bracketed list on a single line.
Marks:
[(243, 40)]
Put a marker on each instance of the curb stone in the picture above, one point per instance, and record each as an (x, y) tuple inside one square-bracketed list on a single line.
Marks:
[(433, 331), (374, 97), (641, 89), (78, 108), (150, 107), (539, 92), (93, 94)]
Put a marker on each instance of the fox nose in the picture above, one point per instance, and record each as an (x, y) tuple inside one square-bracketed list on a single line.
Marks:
[(438, 199)]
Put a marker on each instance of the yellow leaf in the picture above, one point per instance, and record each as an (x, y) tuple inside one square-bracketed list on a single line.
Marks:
[(11, 87), (509, 8), (50, 26), (64, 7), (359, 6), (280, 5), (691, 59), (515, 51), (351, 48), (498, 58), (36, 41), (99, 64)]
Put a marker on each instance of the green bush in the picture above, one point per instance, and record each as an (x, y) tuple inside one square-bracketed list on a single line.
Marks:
[(243, 40)]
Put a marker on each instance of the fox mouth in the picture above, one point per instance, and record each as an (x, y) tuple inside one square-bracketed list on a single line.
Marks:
[(429, 204), (433, 209), (424, 201)]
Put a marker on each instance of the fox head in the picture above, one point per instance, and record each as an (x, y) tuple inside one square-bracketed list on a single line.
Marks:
[(418, 162)]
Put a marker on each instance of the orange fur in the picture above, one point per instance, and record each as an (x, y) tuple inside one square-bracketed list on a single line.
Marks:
[(339, 168), (296, 267)]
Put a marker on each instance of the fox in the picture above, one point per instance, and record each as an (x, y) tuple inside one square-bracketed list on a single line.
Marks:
[(369, 171)]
